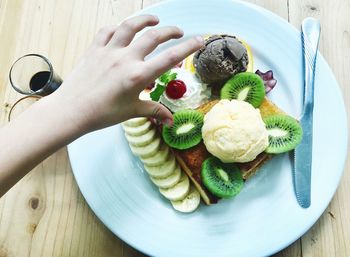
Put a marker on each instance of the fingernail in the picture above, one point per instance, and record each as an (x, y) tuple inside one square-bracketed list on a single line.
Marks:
[(156, 18), (200, 40), (181, 31), (168, 122)]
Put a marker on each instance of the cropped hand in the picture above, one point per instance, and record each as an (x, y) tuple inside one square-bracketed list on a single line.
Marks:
[(104, 87)]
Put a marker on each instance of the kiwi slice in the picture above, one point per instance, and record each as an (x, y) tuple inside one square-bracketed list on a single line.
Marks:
[(285, 133), (221, 179), (245, 86), (186, 130)]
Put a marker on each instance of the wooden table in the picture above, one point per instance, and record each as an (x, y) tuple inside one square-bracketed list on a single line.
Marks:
[(45, 213)]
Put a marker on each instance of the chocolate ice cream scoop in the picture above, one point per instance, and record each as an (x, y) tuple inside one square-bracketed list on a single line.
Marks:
[(221, 57)]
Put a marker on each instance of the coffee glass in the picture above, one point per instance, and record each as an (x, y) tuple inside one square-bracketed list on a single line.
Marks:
[(33, 74)]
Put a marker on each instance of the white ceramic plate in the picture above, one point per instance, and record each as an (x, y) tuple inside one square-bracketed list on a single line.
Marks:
[(265, 216)]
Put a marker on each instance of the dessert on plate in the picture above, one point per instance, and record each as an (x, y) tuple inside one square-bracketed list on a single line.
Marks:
[(222, 57), (225, 127)]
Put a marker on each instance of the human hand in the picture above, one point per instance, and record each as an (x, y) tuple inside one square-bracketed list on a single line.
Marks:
[(101, 91), (104, 87)]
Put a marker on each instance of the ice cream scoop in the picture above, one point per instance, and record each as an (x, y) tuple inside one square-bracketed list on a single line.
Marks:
[(221, 57), (234, 131)]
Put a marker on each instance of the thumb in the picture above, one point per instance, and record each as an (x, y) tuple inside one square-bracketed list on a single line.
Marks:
[(154, 110)]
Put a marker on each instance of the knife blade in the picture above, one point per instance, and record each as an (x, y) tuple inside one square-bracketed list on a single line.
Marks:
[(310, 34)]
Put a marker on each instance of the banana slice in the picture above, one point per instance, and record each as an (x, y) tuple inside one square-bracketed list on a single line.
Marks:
[(189, 203), (169, 181), (164, 170), (139, 130), (159, 158), (179, 191), (135, 122), (142, 140), (148, 150)]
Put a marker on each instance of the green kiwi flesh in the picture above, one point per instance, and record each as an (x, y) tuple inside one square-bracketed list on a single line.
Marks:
[(221, 179), (186, 130), (285, 133), (245, 86)]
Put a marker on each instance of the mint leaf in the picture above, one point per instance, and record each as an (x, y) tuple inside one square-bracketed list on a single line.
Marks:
[(160, 87), (164, 77), (168, 76), (171, 77), (156, 93)]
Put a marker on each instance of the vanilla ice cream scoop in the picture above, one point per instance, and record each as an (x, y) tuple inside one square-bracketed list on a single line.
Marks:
[(234, 131)]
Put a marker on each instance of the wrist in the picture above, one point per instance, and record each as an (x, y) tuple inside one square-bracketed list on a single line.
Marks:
[(60, 113)]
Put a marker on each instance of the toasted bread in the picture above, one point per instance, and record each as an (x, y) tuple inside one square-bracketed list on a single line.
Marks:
[(191, 159)]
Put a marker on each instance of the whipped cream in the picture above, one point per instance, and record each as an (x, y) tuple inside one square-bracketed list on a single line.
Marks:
[(196, 92)]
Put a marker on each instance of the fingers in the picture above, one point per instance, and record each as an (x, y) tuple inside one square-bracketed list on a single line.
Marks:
[(154, 110), (146, 43), (172, 56), (128, 28), (104, 35)]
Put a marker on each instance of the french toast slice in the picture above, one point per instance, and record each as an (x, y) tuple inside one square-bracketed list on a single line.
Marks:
[(191, 159)]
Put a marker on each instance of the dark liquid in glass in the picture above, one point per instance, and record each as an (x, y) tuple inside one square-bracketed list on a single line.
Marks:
[(40, 81)]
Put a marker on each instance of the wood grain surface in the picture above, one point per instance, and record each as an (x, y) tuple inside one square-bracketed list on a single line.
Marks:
[(45, 213)]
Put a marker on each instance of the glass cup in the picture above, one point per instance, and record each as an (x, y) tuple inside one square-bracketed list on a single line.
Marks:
[(21, 105), (33, 74)]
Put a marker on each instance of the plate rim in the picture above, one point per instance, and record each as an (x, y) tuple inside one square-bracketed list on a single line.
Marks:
[(332, 75)]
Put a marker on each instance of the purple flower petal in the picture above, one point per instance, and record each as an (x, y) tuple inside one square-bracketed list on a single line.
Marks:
[(268, 79), (270, 84)]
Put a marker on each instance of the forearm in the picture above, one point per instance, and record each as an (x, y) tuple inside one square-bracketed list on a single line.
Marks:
[(37, 133)]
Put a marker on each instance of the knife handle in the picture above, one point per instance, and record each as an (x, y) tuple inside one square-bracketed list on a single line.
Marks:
[(310, 33)]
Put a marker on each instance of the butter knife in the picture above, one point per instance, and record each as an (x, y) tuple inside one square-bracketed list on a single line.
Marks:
[(310, 35)]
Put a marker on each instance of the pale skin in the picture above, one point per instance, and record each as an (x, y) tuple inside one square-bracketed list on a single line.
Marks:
[(102, 90)]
